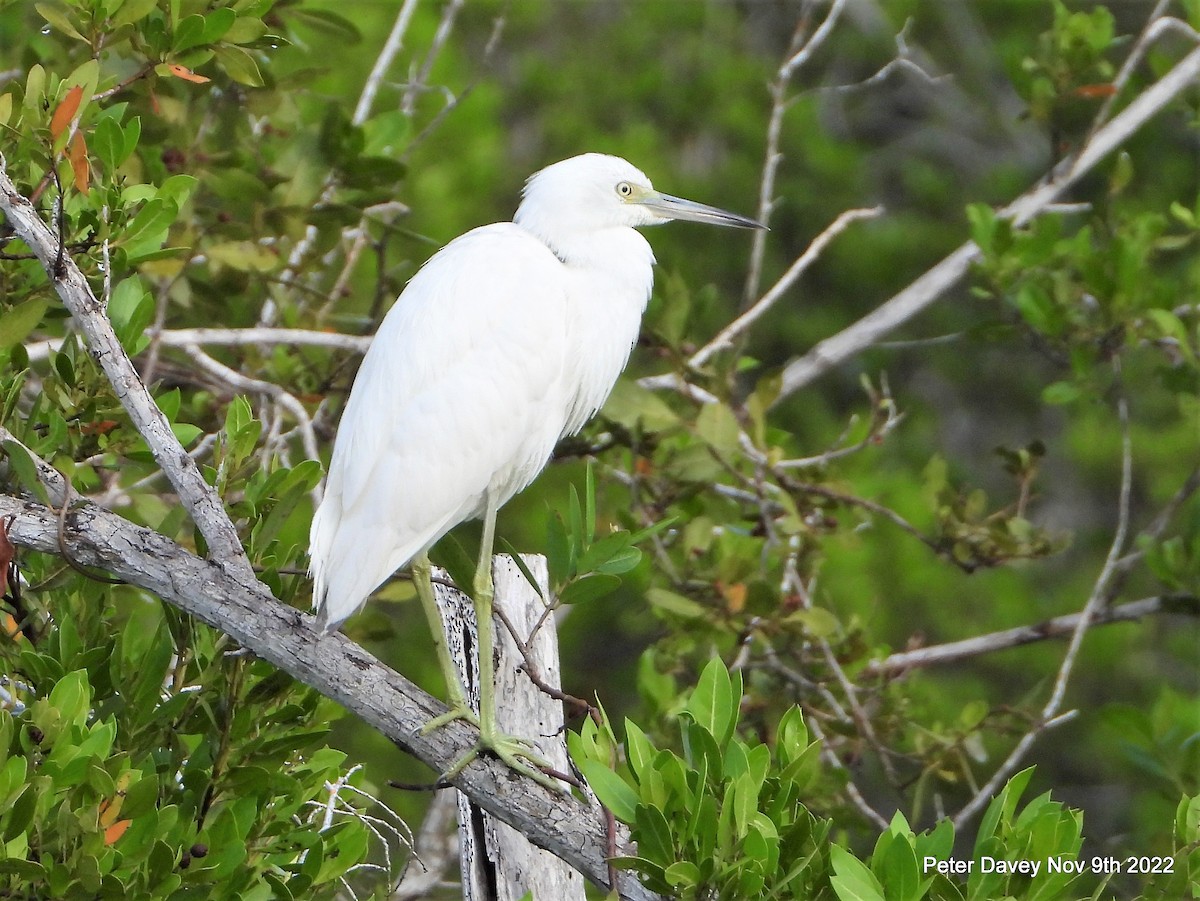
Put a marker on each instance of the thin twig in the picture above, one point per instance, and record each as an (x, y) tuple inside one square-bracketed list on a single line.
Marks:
[(800, 50), (383, 62), (281, 396), (408, 103), (726, 336)]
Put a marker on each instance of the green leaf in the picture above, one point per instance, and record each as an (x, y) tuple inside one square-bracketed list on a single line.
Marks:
[(131, 310), (899, 871), (634, 407), (35, 87), (17, 322), (133, 10), (613, 791), (674, 603), (246, 30), (653, 835), (189, 33), (718, 427), (701, 751), (1059, 393), (239, 65), (602, 552), (1187, 821), (217, 23), (791, 736), (25, 468), (72, 696), (131, 134), (560, 561), (1000, 810), (712, 703), (589, 588), (244, 256), (331, 23), (638, 749), (58, 16), (148, 229), (107, 142), (852, 880), (589, 501), (682, 874)]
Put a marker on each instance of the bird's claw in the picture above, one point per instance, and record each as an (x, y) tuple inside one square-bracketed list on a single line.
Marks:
[(517, 754)]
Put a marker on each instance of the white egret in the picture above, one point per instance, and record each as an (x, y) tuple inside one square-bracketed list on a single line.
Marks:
[(508, 339)]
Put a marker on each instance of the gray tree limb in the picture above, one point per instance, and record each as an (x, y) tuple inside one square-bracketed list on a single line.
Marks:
[(1057, 627), (333, 665)]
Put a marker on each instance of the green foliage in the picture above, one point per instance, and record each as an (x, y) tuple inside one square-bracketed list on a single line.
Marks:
[(1070, 69), (139, 758), (727, 819)]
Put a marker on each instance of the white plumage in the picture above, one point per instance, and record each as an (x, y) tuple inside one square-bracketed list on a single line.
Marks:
[(507, 339)]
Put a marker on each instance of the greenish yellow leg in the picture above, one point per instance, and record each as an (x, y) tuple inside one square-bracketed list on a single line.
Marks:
[(513, 751), (422, 573)]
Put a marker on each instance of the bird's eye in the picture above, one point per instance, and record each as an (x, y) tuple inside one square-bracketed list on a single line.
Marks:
[(624, 188)]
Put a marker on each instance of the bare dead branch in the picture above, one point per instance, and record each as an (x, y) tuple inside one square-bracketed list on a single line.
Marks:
[(726, 336), (333, 665), (803, 46), (243, 383), (417, 84), (383, 62), (1057, 627)]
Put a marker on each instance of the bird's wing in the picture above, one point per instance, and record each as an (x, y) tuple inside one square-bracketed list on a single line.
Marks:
[(460, 392)]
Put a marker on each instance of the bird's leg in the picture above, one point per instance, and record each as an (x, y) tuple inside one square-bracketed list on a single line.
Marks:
[(460, 709), (513, 751)]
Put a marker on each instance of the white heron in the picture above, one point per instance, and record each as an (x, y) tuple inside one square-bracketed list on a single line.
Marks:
[(508, 339)]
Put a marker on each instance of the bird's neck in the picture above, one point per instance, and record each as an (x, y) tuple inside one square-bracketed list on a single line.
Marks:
[(610, 276)]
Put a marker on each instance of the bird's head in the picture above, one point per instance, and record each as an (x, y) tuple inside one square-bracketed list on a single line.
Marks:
[(595, 191)]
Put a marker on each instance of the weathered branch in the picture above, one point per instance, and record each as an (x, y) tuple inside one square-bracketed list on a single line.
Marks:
[(90, 317), (229, 337), (931, 286), (1057, 627), (333, 665)]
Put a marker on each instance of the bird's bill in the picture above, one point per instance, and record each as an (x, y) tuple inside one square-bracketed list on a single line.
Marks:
[(677, 208)]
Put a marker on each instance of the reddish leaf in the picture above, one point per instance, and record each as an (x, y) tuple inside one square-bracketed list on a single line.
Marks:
[(735, 596), (115, 831), (1094, 91), (100, 427), (186, 74), (66, 112), (79, 162)]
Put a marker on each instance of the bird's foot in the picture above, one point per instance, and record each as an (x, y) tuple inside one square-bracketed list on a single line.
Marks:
[(516, 753), (458, 711)]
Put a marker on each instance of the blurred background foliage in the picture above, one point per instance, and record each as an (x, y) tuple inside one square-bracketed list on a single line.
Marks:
[(250, 160)]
